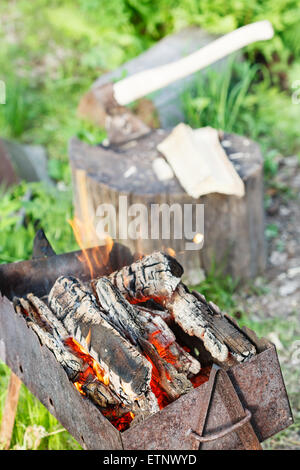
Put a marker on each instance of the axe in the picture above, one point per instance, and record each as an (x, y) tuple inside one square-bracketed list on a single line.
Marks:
[(105, 105)]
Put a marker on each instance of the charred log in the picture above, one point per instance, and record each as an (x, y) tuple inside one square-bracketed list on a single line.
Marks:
[(205, 321), (196, 317), (44, 317), (68, 361), (119, 312), (162, 337), (102, 396), (154, 311), (173, 383), (126, 318), (128, 369), (155, 275), (48, 329)]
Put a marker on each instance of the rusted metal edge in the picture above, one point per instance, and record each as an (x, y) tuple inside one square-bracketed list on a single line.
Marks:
[(205, 404), (41, 246), (38, 369), (222, 408), (261, 389), (258, 382), (38, 275)]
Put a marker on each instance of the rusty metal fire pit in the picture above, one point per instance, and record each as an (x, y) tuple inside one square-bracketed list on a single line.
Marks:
[(236, 408)]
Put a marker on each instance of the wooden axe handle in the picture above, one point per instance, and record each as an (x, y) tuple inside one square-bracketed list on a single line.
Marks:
[(143, 83)]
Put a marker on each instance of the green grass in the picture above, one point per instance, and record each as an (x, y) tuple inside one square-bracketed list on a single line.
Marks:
[(219, 288), (48, 207), (34, 427), (242, 100), (221, 100)]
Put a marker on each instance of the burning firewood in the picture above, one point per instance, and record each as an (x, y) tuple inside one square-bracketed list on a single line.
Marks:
[(128, 369), (162, 337), (121, 314), (145, 279), (155, 275), (156, 310), (103, 396), (41, 314), (53, 335), (68, 361), (114, 337), (198, 318)]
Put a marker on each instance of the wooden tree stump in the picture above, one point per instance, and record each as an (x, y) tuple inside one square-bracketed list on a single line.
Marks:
[(233, 227)]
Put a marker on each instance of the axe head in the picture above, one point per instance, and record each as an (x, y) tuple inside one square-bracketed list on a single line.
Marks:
[(100, 107)]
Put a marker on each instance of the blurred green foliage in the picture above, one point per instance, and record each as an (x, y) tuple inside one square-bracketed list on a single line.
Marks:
[(242, 99), (219, 288), (154, 19), (20, 218)]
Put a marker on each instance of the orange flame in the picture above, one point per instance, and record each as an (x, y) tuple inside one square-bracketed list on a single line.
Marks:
[(93, 368), (84, 229), (77, 227), (94, 257)]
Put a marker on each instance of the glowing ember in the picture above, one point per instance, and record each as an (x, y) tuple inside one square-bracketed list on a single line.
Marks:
[(158, 300), (121, 423), (162, 398), (202, 377), (164, 352), (93, 367), (95, 370)]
